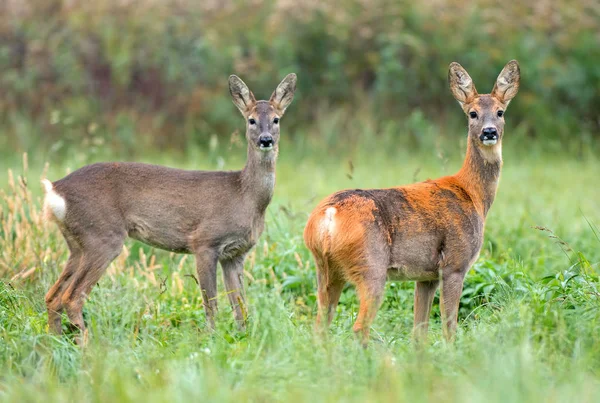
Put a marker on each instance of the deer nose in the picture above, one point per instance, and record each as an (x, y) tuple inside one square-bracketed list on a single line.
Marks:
[(265, 141), (489, 133), (489, 136)]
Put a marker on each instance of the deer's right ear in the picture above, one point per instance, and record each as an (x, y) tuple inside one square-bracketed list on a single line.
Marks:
[(461, 84), (284, 93), (507, 84), (243, 98)]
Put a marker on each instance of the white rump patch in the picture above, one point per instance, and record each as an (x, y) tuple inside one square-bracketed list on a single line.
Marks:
[(328, 223), (54, 204)]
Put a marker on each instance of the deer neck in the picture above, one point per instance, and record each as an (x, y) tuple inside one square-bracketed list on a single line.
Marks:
[(480, 173), (258, 176)]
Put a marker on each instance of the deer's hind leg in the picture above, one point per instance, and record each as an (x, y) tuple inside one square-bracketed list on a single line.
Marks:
[(370, 286), (98, 253), (330, 284), (54, 295)]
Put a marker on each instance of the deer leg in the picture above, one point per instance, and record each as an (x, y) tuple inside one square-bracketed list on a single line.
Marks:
[(54, 295), (206, 266), (452, 285), (329, 289), (370, 293), (97, 255), (233, 276), (424, 293)]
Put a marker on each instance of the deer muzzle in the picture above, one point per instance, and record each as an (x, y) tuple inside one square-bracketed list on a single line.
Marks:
[(266, 142), (489, 136)]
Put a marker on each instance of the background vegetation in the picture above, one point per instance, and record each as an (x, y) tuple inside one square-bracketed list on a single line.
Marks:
[(129, 74), (146, 81)]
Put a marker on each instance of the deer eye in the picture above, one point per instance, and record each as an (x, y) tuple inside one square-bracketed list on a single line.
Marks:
[(252, 121), (500, 114), (276, 120), (473, 115)]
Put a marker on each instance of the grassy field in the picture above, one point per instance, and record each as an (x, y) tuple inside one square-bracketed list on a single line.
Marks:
[(529, 325)]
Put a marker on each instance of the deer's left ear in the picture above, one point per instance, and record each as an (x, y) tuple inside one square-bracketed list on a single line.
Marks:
[(461, 84), (507, 84), (241, 94), (284, 93)]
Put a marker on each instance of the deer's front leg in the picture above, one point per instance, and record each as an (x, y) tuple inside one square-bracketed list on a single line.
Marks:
[(233, 276), (206, 265), (424, 293), (452, 285)]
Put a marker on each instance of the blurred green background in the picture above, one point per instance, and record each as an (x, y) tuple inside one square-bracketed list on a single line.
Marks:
[(124, 77), (146, 80)]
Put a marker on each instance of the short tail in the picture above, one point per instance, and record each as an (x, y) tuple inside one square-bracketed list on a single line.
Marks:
[(55, 206), (317, 235), (47, 185)]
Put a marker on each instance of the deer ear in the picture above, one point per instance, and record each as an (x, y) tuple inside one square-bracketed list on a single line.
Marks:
[(507, 84), (241, 94), (461, 84), (284, 93)]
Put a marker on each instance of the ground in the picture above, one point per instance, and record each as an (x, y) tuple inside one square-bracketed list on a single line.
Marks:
[(529, 326)]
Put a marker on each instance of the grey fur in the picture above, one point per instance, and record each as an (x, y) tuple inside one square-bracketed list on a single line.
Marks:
[(217, 216)]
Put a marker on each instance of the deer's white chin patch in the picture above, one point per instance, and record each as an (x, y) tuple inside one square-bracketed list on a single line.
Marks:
[(266, 148), (490, 142)]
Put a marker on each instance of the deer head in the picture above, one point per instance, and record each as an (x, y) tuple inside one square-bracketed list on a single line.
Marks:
[(262, 117), (485, 111)]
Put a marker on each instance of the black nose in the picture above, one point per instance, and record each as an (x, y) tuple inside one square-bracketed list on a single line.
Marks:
[(265, 141), (489, 133)]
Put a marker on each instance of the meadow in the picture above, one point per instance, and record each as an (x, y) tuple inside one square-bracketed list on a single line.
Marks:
[(529, 323), (146, 81)]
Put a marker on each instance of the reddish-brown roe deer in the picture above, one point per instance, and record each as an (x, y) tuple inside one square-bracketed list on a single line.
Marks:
[(429, 232), (217, 216)]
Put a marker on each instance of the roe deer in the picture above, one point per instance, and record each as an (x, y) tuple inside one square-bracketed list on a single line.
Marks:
[(425, 232), (217, 216)]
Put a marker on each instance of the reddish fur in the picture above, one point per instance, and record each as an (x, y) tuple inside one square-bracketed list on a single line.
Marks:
[(343, 255), (427, 231), (346, 249)]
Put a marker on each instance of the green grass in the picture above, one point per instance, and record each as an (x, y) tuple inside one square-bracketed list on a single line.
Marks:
[(529, 321)]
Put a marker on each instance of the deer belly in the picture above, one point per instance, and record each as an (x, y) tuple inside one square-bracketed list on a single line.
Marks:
[(234, 246), (406, 273), (416, 258), (164, 238)]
